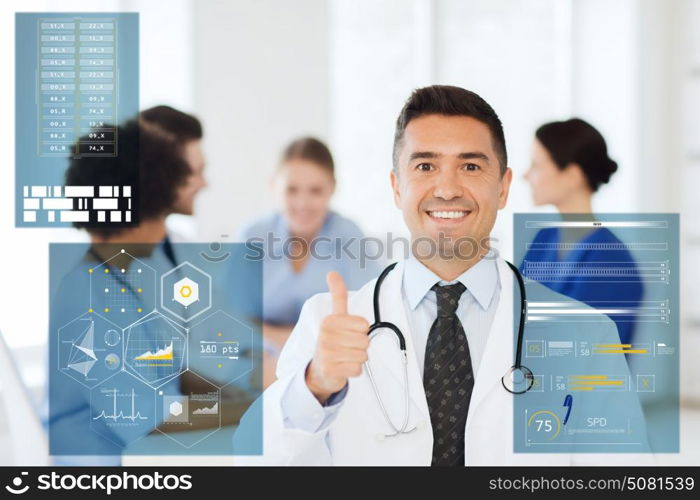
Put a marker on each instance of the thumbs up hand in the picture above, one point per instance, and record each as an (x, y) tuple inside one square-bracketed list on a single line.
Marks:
[(342, 344)]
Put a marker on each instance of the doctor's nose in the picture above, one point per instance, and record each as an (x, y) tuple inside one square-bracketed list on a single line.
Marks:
[(447, 186)]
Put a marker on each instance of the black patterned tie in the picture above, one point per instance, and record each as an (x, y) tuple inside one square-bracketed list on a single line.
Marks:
[(448, 378)]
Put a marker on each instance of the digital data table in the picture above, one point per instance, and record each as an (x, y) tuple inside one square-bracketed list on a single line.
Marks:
[(77, 86), (77, 82)]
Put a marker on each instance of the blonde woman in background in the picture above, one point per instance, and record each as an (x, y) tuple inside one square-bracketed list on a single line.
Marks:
[(300, 243)]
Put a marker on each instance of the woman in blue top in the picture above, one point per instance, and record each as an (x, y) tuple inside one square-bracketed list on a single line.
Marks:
[(302, 242), (569, 163)]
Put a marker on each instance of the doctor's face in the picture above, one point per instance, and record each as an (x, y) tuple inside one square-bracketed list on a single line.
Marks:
[(448, 181)]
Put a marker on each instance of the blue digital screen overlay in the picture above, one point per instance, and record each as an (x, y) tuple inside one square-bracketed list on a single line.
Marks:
[(77, 79), (154, 351), (601, 335)]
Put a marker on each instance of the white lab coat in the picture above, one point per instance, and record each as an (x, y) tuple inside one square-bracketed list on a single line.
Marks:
[(355, 435)]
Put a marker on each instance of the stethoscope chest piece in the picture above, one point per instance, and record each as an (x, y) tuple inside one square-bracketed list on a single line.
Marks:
[(518, 379)]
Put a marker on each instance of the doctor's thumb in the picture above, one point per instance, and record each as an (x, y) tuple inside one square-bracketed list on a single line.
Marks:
[(339, 292)]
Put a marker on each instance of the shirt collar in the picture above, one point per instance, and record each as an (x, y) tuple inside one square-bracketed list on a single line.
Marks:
[(480, 280)]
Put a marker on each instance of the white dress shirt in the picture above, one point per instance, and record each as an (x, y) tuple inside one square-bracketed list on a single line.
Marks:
[(476, 310)]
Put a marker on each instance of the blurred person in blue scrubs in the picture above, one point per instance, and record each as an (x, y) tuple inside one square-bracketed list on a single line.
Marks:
[(155, 159), (150, 155), (302, 242), (569, 164)]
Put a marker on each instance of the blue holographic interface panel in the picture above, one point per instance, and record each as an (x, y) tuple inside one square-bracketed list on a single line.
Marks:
[(602, 333), (76, 81), (154, 351)]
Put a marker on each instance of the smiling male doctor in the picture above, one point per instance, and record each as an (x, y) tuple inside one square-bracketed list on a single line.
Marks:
[(449, 178)]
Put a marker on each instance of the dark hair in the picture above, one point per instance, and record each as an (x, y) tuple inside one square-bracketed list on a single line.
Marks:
[(577, 141), (450, 101), (310, 149), (183, 126), (149, 159)]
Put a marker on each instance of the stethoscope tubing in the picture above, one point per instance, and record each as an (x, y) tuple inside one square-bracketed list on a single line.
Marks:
[(379, 324)]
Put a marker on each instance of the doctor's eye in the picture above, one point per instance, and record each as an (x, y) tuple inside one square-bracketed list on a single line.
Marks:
[(424, 167), (472, 167)]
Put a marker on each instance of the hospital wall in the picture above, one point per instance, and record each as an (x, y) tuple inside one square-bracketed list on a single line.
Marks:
[(260, 72)]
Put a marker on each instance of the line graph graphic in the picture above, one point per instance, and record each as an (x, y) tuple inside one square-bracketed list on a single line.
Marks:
[(133, 415), (213, 410), (165, 354), (155, 349)]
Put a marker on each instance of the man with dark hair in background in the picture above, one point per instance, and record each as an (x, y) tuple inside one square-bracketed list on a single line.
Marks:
[(151, 162), (158, 159), (151, 155)]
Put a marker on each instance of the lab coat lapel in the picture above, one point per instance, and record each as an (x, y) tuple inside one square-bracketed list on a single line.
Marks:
[(498, 353), (384, 351)]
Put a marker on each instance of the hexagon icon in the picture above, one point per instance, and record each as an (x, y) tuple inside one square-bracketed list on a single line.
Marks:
[(123, 409), (221, 348), (185, 291), (155, 349), (175, 408), (199, 408), (123, 288), (89, 349)]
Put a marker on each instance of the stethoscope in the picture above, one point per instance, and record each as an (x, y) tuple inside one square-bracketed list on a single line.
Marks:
[(517, 380)]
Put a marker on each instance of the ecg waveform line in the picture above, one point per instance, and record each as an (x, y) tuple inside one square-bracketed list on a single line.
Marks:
[(116, 416)]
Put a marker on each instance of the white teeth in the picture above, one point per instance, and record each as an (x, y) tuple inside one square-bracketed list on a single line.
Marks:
[(447, 215)]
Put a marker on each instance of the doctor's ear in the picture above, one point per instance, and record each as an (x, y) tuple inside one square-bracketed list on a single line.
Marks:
[(505, 182), (393, 177)]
